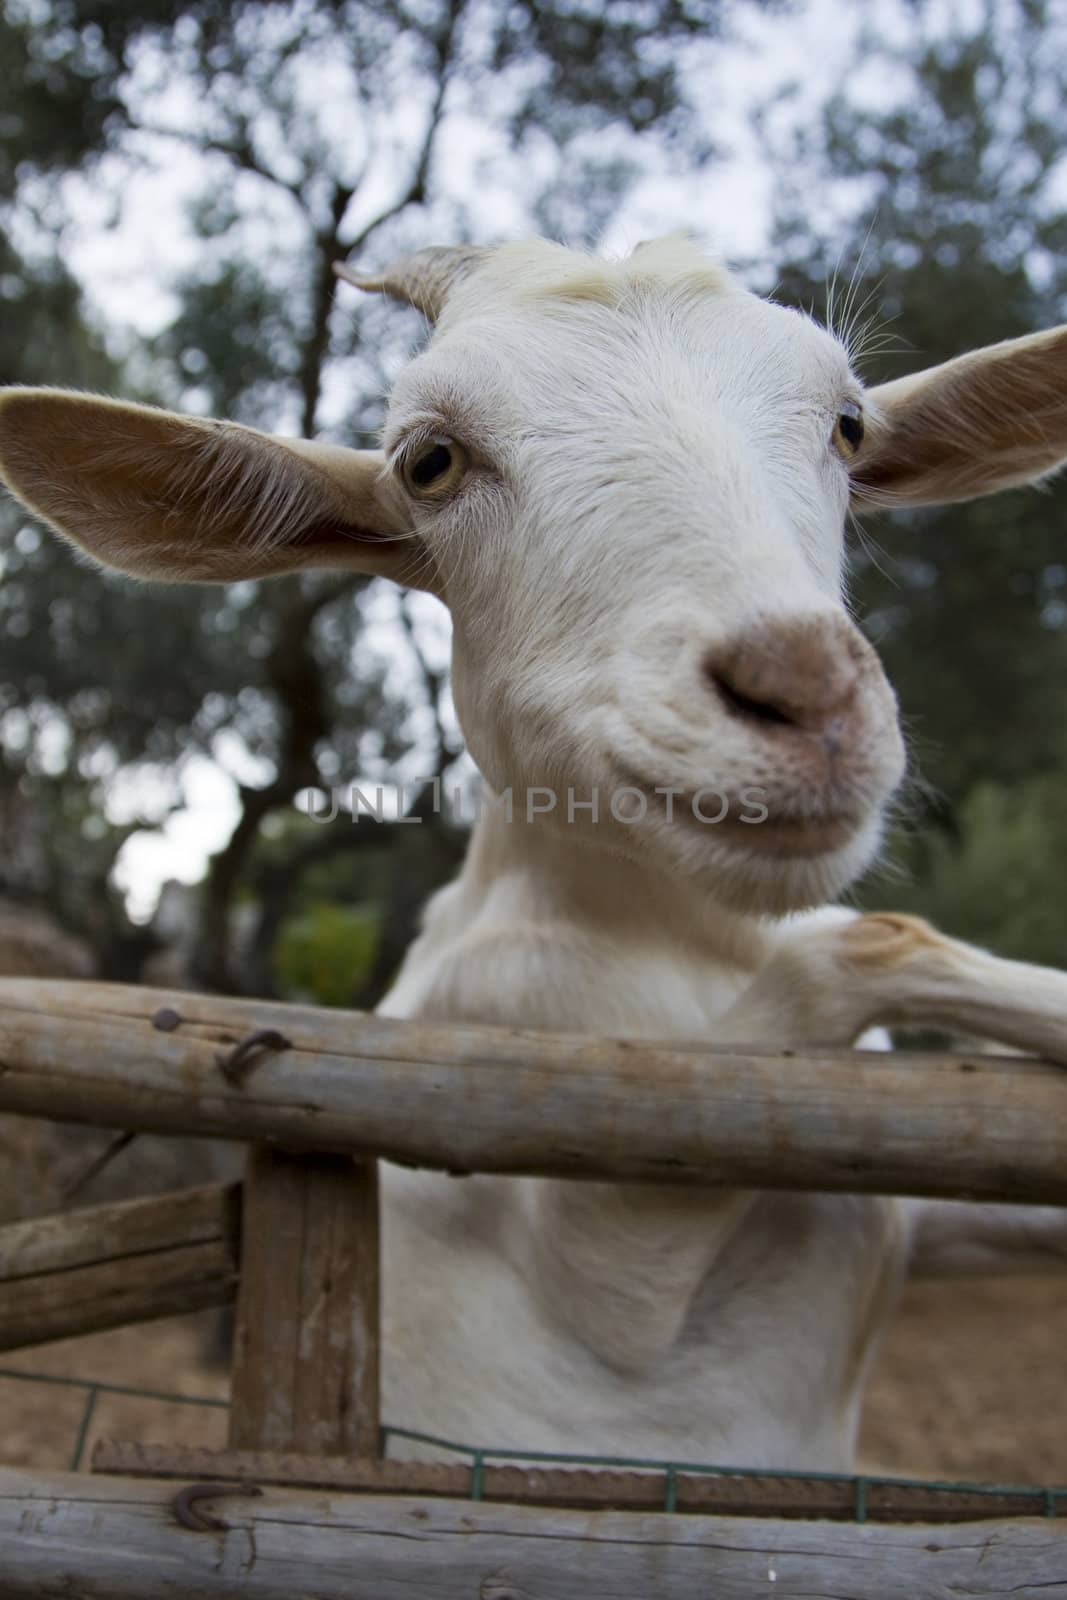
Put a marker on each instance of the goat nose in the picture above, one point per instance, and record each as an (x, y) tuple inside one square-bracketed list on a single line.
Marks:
[(802, 674)]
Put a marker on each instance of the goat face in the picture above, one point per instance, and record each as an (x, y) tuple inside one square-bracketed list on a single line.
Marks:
[(633, 486)]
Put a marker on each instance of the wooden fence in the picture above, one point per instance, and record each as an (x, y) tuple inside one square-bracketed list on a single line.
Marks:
[(301, 1502)]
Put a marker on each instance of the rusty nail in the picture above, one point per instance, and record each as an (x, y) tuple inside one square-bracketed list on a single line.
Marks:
[(184, 1504), (236, 1065)]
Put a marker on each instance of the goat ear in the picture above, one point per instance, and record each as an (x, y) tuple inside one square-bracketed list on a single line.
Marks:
[(993, 419), (423, 280), (169, 497)]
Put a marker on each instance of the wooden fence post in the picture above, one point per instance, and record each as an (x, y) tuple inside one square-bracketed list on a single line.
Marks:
[(306, 1357)]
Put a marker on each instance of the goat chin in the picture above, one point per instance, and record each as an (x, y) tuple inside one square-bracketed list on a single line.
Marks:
[(760, 884), (778, 885)]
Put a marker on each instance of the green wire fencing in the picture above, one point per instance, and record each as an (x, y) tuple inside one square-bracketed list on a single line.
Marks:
[(1052, 1499), (94, 1388)]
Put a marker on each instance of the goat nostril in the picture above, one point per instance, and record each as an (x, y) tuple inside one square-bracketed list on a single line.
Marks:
[(744, 706), (787, 678)]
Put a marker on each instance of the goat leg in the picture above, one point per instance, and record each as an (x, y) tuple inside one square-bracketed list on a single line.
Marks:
[(827, 984), (830, 982)]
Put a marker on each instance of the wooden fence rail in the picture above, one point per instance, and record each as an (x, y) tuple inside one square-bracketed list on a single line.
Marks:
[(108, 1266), (105, 1538), (496, 1100)]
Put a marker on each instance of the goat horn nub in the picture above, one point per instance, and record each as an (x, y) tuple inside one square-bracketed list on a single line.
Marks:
[(423, 280)]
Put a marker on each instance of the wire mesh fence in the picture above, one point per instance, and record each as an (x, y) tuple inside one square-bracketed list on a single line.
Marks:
[(93, 1388), (1042, 1499)]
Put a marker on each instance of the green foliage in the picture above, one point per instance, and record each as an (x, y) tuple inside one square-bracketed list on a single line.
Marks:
[(59, 94), (44, 337), (624, 59), (324, 956), (999, 879), (234, 341)]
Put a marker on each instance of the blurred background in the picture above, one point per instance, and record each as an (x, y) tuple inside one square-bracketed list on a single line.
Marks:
[(176, 180)]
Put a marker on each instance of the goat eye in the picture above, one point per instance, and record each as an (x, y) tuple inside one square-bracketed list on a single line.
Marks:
[(434, 468), (848, 430)]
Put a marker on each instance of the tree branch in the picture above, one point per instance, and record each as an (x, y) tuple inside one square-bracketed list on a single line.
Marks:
[(240, 151), (316, 347), (276, 881), (415, 193), (296, 677)]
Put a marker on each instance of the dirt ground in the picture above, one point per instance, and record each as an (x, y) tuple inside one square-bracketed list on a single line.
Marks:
[(971, 1384)]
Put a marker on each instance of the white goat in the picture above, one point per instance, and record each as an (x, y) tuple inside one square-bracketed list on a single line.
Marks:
[(629, 483)]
